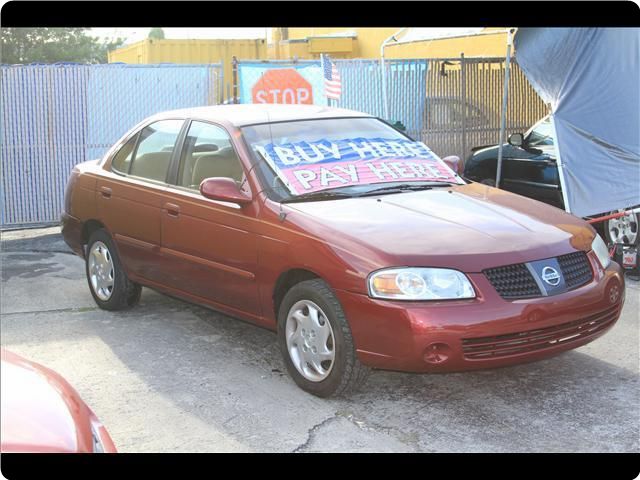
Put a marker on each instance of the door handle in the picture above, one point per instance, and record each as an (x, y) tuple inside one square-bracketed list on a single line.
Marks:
[(105, 192), (173, 210)]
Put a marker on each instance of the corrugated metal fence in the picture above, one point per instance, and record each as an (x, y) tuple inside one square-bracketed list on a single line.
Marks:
[(55, 116)]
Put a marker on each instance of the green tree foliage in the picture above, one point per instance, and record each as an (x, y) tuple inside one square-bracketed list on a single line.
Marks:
[(50, 45), (156, 34)]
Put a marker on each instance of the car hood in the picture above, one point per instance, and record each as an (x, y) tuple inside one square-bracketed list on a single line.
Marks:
[(40, 411), (467, 227)]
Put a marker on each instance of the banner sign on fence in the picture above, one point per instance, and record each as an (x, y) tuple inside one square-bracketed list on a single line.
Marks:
[(323, 164), (290, 84)]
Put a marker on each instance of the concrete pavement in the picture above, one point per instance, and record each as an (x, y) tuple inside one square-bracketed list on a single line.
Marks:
[(168, 376)]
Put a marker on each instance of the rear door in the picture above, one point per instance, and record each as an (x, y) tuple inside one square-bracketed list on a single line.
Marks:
[(210, 247), (130, 196)]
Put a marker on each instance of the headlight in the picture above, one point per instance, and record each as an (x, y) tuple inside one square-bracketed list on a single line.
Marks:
[(420, 284), (602, 252)]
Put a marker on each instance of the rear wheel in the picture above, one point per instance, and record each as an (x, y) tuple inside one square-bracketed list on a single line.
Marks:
[(109, 285), (316, 343), (622, 230)]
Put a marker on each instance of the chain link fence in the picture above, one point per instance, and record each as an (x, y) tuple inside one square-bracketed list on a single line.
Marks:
[(55, 116)]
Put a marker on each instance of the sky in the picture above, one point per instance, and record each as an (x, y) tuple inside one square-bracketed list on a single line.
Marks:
[(137, 34)]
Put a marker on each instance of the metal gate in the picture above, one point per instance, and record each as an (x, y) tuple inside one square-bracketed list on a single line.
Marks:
[(464, 101), (55, 116)]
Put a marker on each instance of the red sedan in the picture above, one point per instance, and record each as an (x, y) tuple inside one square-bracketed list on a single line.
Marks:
[(357, 244), (42, 413)]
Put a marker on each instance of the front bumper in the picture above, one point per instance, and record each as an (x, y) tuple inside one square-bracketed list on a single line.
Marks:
[(485, 332)]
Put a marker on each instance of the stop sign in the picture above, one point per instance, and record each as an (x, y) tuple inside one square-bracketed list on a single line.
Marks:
[(282, 85)]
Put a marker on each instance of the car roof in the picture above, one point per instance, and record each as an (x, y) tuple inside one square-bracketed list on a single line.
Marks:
[(249, 114)]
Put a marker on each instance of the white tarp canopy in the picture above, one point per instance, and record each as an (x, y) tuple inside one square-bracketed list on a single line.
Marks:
[(591, 78)]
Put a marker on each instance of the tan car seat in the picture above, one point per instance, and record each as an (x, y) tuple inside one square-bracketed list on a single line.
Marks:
[(223, 163), (152, 165)]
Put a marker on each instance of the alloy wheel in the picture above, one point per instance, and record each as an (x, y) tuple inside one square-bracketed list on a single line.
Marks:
[(101, 271), (310, 340), (624, 229)]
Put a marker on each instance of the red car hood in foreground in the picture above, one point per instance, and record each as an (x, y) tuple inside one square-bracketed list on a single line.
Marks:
[(41, 412), (468, 227)]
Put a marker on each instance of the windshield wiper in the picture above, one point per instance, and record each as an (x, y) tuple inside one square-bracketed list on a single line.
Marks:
[(321, 195), (402, 188)]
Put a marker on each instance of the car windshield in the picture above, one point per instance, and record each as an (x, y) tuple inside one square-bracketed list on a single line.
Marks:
[(541, 135), (341, 157)]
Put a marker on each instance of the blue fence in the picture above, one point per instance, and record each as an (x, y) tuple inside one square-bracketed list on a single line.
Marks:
[(55, 116)]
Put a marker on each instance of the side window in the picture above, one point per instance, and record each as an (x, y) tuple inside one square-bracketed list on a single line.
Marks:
[(122, 160), (155, 148), (207, 153)]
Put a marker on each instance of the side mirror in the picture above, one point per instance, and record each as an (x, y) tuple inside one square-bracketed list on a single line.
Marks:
[(454, 163), (516, 139), (224, 190)]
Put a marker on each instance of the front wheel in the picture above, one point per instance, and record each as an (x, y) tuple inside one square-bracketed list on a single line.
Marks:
[(316, 343), (108, 283), (622, 229)]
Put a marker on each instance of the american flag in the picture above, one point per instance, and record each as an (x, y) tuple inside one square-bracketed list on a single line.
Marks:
[(332, 82)]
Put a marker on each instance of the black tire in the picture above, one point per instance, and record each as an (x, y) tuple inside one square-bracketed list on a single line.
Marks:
[(631, 226), (125, 293), (347, 373)]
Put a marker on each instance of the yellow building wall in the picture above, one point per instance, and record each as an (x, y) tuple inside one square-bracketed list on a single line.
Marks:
[(191, 51), (368, 41), (366, 45), (485, 45)]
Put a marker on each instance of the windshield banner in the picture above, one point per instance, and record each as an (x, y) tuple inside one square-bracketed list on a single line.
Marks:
[(323, 164)]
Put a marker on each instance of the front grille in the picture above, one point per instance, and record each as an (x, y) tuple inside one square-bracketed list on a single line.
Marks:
[(575, 269), (501, 346), (516, 281), (513, 281)]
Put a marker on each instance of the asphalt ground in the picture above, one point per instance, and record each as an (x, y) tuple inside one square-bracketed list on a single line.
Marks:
[(167, 376)]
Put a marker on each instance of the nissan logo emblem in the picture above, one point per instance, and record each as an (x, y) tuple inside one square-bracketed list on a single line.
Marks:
[(551, 276)]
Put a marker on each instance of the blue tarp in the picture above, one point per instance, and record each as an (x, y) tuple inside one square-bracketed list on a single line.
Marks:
[(591, 78)]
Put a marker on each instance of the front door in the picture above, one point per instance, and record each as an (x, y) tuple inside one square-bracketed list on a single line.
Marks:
[(210, 247)]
